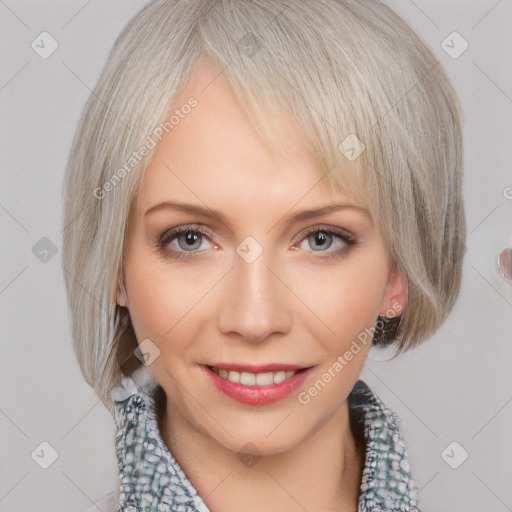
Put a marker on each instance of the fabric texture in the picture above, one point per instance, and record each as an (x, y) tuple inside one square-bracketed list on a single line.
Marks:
[(151, 480)]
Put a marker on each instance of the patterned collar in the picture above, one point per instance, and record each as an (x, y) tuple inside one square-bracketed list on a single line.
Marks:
[(151, 480)]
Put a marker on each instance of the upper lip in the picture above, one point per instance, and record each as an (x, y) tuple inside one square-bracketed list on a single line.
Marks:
[(254, 368)]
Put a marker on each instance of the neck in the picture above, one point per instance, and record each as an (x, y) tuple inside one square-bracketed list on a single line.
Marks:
[(322, 473)]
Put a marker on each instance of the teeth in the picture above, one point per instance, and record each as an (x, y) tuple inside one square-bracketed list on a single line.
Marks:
[(251, 379), (264, 379), (247, 379), (234, 376), (279, 377)]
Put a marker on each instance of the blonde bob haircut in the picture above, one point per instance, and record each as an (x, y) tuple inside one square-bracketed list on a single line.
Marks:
[(356, 78)]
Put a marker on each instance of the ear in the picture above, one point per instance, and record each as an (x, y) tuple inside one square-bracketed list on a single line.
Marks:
[(121, 297), (395, 294)]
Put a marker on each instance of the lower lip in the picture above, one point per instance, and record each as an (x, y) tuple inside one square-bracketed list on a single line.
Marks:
[(257, 395)]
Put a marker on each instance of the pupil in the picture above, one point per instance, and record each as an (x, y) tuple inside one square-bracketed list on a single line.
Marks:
[(191, 239), (321, 238)]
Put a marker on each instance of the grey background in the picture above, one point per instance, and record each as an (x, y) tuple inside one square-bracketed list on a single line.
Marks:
[(457, 387)]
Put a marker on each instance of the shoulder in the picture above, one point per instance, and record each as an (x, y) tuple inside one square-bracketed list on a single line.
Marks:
[(109, 503), (387, 482)]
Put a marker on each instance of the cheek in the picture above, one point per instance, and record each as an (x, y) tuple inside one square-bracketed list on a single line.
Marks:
[(344, 300), (165, 300)]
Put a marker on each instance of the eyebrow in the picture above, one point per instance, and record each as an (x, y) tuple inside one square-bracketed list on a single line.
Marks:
[(300, 216)]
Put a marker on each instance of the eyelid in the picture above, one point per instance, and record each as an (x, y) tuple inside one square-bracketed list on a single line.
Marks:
[(172, 233), (343, 233), (207, 231)]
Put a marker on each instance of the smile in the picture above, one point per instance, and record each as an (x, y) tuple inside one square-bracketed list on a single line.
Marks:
[(266, 386), (254, 379)]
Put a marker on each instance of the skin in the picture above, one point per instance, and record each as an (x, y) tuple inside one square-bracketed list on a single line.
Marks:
[(290, 305)]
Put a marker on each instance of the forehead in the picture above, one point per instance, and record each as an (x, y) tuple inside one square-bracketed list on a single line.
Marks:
[(215, 155)]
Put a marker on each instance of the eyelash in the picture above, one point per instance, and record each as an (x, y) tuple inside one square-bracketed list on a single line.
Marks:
[(170, 235)]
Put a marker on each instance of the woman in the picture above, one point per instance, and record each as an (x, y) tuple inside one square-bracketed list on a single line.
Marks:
[(257, 193)]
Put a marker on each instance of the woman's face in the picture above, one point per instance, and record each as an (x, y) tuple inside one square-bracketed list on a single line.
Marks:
[(257, 287)]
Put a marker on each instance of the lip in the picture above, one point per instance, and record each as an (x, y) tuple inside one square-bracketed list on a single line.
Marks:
[(257, 395), (254, 368)]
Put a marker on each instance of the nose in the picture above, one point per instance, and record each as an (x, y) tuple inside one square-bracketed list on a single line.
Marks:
[(255, 301)]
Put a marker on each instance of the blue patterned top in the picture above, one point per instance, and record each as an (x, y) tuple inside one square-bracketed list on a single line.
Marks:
[(151, 480)]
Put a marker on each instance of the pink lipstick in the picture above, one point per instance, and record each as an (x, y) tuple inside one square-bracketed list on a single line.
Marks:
[(256, 384)]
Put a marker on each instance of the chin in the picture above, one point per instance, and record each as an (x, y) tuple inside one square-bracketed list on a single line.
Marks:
[(257, 433)]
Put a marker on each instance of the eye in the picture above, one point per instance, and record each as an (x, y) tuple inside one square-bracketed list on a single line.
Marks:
[(188, 241), (320, 240), (330, 240), (184, 241)]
